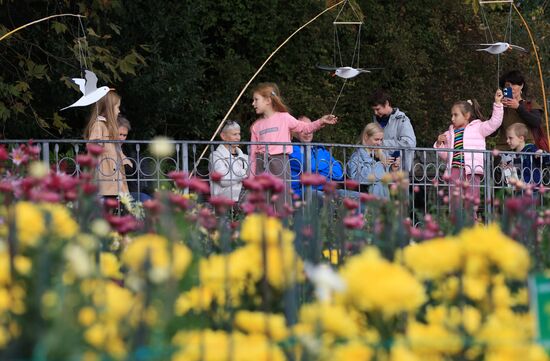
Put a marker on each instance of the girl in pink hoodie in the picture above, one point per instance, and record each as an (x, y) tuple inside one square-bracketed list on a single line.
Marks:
[(468, 131), (275, 125)]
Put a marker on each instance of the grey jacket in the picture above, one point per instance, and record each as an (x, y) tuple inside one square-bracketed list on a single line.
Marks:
[(363, 168), (399, 134)]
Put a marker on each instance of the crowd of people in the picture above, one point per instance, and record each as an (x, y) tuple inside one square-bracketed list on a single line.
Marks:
[(386, 145)]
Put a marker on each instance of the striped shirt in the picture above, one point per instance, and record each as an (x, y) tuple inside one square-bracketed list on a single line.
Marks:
[(458, 155)]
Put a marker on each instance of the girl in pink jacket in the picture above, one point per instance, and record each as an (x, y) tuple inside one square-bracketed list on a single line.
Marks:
[(275, 125), (468, 131)]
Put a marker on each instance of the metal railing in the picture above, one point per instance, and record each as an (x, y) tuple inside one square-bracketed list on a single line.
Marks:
[(430, 189)]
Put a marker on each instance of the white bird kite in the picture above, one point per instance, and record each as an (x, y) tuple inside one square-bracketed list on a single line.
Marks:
[(345, 72), (89, 88), (499, 48)]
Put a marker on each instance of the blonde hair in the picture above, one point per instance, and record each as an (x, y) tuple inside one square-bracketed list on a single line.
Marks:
[(105, 107), (271, 90), (519, 129), (370, 130)]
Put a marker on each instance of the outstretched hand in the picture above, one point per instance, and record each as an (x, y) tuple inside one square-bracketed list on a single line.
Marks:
[(329, 119), (498, 96)]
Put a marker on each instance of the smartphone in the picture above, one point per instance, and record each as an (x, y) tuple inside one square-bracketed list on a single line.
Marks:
[(395, 154), (507, 92)]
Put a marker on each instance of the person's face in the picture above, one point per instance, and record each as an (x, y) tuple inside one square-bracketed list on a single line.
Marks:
[(516, 89), (514, 142), (305, 137), (382, 110), (122, 133), (231, 135), (260, 103), (374, 140), (117, 109), (458, 119)]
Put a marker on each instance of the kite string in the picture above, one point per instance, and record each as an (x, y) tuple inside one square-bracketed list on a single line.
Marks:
[(83, 53), (487, 27), (338, 97)]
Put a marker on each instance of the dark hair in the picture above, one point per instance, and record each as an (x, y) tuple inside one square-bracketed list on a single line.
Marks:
[(379, 97), (514, 77), (472, 107)]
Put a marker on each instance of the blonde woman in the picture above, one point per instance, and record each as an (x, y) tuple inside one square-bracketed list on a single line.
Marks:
[(368, 165)]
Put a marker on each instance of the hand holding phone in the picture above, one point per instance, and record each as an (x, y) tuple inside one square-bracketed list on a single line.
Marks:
[(507, 92)]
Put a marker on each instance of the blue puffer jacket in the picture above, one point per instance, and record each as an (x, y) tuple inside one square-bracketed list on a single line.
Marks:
[(322, 162)]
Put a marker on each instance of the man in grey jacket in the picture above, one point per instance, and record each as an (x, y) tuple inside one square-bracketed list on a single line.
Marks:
[(398, 130)]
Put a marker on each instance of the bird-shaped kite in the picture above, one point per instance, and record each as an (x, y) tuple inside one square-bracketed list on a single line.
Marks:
[(89, 88), (345, 72), (499, 48)]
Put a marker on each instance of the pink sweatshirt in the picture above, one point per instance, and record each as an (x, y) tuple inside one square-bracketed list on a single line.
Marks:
[(276, 128)]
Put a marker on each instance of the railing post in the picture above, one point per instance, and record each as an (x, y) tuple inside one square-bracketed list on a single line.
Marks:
[(306, 168), (488, 188), (185, 160), (46, 153)]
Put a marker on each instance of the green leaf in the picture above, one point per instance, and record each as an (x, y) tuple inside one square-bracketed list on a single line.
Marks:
[(59, 124), (115, 28), (4, 111), (22, 86), (59, 27)]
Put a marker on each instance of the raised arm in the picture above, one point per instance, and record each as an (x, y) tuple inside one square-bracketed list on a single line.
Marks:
[(488, 127)]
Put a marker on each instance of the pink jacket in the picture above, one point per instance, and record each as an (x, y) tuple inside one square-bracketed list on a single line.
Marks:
[(276, 128), (474, 139)]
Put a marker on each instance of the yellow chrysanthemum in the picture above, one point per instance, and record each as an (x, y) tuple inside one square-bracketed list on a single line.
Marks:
[(208, 345), (508, 255), (433, 259), (432, 339), (271, 325), (62, 223), (401, 353), (374, 284), (330, 319), (471, 319), (196, 299), (259, 228), (86, 316), (109, 265), (30, 223), (154, 254), (352, 351), (95, 335)]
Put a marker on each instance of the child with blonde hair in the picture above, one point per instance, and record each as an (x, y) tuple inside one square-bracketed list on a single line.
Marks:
[(102, 125)]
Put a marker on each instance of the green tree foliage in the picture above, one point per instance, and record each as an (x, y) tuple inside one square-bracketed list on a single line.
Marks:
[(37, 63), (179, 65)]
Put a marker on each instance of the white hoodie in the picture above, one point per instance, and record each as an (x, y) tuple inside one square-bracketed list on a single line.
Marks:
[(233, 168)]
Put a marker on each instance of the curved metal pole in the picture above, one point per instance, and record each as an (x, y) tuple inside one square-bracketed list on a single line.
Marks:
[(260, 69), (540, 71), (37, 21)]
